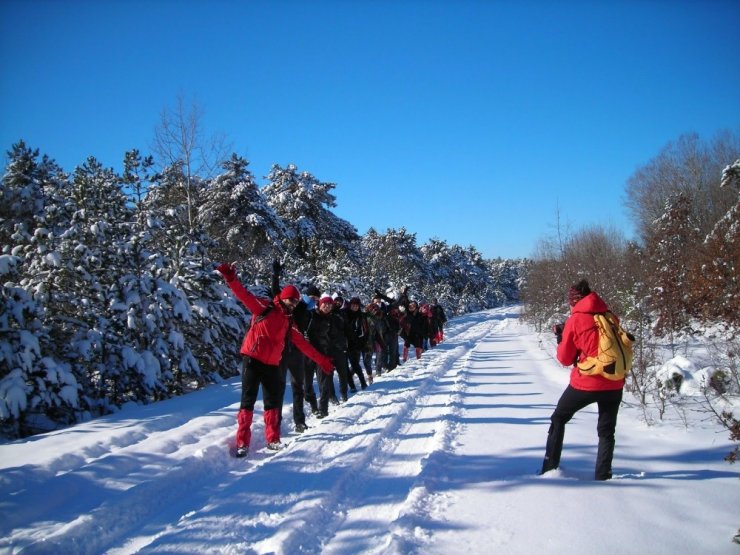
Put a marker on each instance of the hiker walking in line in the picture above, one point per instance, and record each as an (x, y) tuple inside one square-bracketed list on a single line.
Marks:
[(325, 331), (272, 326), (578, 339), (293, 361)]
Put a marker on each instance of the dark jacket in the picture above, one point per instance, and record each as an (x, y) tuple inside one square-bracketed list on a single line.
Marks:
[(318, 330), (357, 330)]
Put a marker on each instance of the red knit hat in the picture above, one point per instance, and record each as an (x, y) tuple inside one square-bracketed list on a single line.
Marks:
[(326, 299), (290, 292)]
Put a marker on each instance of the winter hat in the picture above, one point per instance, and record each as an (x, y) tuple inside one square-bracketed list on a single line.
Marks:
[(578, 291), (290, 292), (326, 299), (313, 291)]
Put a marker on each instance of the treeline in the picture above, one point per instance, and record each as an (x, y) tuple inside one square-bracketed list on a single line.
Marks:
[(108, 289), (681, 276)]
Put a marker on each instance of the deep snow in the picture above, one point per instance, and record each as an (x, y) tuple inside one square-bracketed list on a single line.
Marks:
[(438, 456)]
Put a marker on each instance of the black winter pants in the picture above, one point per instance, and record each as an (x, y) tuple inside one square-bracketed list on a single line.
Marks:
[(571, 401), (255, 373), (293, 361)]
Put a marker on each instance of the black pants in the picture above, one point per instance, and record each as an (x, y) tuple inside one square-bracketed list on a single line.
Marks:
[(340, 363), (255, 373), (355, 369), (326, 389), (309, 373), (293, 361), (571, 401), (392, 354)]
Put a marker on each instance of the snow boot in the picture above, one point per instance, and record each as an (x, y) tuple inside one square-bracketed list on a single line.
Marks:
[(604, 456), (272, 426), (243, 430), (554, 447)]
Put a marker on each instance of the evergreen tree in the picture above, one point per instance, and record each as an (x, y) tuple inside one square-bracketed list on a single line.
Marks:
[(79, 276), (237, 216), (35, 390), (314, 232), (393, 261)]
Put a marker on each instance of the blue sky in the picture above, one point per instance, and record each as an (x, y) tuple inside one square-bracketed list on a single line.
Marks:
[(471, 121)]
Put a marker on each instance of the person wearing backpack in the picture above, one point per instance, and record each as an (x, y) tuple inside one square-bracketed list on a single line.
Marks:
[(262, 350), (578, 339)]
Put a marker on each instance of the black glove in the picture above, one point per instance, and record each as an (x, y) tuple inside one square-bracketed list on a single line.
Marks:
[(276, 267), (558, 331)]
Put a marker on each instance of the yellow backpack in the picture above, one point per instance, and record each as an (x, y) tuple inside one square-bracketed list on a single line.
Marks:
[(614, 357)]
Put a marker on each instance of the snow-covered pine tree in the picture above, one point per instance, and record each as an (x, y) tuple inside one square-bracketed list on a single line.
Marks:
[(237, 216), (392, 261), (178, 249), (135, 302), (314, 232), (506, 275), (37, 393), (79, 283), (37, 213)]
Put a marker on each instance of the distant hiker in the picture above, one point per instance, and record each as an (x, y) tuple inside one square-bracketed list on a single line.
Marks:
[(358, 341), (394, 313), (272, 326), (378, 323), (312, 297), (339, 348), (439, 319), (414, 328), (578, 339)]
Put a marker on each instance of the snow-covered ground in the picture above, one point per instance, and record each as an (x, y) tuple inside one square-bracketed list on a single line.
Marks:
[(438, 456)]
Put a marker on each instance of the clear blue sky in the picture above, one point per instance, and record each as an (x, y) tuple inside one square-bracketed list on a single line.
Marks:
[(470, 121)]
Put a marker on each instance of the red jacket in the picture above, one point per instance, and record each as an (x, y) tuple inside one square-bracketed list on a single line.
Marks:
[(265, 339), (581, 340)]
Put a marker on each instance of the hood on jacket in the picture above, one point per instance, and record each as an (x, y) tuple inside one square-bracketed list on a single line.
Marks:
[(590, 304)]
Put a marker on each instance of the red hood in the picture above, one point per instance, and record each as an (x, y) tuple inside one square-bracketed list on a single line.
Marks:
[(590, 304)]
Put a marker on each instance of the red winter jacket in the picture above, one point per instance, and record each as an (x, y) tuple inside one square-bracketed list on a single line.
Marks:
[(581, 340), (265, 339)]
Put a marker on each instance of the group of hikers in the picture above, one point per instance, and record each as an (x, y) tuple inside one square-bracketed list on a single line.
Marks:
[(314, 335)]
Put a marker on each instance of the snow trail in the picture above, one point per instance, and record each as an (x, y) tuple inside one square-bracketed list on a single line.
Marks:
[(440, 451)]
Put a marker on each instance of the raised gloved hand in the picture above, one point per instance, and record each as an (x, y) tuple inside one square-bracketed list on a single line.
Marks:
[(228, 271), (327, 365)]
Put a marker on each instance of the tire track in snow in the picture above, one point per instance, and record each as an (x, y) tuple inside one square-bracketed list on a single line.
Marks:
[(148, 471), (164, 478), (444, 363), (407, 531)]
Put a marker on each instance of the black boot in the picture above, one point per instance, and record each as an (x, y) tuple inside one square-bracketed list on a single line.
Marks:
[(604, 457), (554, 447)]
